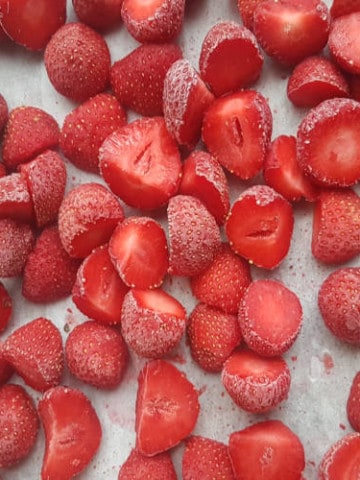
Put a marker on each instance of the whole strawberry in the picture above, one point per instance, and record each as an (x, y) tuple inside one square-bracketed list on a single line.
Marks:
[(99, 14)]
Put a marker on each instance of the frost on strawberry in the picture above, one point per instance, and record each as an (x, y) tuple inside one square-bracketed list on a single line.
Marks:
[(17, 240), (353, 403), (138, 466), (343, 42), (15, 199), (342, 456)]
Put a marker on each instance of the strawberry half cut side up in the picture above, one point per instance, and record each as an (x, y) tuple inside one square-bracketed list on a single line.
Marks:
[(342, 459)]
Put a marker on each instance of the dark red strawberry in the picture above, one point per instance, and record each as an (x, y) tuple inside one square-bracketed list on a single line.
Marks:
[(343, 7), (353, 403), (99, 14), (342, 457), (138, 467), (17, 240), (2, 170), (343, 45), (15, 199), (6, 307), (6, 369), (4, 112)]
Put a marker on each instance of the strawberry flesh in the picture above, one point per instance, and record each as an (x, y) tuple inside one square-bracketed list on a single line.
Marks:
[(342, 458)]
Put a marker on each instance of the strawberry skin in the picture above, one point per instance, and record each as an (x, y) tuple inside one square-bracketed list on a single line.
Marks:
[(17, 240), (98, 14), (343, 44), (340, 8), (6, 370), (138, 467), (4, 112), (247, 10), (343, 456), (15, 199), (6, 307), (353, 403)]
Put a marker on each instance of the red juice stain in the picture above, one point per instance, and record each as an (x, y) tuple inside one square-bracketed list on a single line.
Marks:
[(328, 363), (342, 426), (294, 358), (202, 390)]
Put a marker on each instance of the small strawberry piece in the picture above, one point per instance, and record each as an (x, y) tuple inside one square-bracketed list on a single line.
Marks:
[(6, 307), (86, 127), (29, 132), (6, 369), (212, 336), (206, 459), (167, 407), (338, 297), (255, 383), (98, 291), (72, 432), (336, 223), (138, 249), (267, 450), (185, 99), (156, 21), (237, 130), (19, 425), (194, 236), (353, 403), (342, 458), (96, 354), (141, 163), (98, 14), (138, 78), (152, 322), (17, 240), (138, 466), (343, 7), (263, 237), (247, 9), (88, 215), (343, 42), (15, 199), (77, 61), (4, 112)]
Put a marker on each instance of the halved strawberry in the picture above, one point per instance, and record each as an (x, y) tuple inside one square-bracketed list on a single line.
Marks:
[(4, 111), (99, 14), (353, 403), (6, 307), (138, 467), (341, 459), (343, 7), (343, 42), (15, 199), (17, 240), (167, 407)]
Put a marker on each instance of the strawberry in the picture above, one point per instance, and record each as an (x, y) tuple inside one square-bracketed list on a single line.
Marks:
[(15, 199), (98, 14), (230, 58), (36, 353), (2, 170), (336, 224), (141, 163), (343, 7), (267, 450), (19, 424), (138, 467), (194, 236), (31, 23), (138, 78), (264, 237), (343, 42), (247, 10), (6, 307), (185, 99), (88, 215), (6, 369), (212, 336), (341, 458), (77, 61), (29, 132), (291, 30), (206, 459), (17, 240), (152, 322), (86, 127), (167, 407), (72, 432), (4, 112), (138, 249), (338, 297), (236, 130), (157, 21), (353, 403), (255, 383)]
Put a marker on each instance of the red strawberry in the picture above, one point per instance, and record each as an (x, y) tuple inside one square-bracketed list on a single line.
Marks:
[(2, 170), (152, 322), (194, 236), (354, 86), (138, 78), (237, 130), (17, 240), (247, 9), (138, 249), (230, 58), (6, 369), (167, 407), (343, 39), (87, 217), (77, 61), (96, 354), (19, 424), (141, 163), (139, 467), (156, 21), (31, 23), (267, 450), (343, 7), (29, 132), (4, 112), (72, 432), (342, 458), (6, 307), (263, 237), (15, 200), (353, 403), (86, 127), (256, 384), (36, 353), (98, 14)]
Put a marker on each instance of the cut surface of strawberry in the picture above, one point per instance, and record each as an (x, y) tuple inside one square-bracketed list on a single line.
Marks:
[(138, 466), (353, 403), (343, 44), (342, 459), (15, 199)]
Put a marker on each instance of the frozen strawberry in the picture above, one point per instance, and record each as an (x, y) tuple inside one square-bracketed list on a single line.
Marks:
[(19, 424), (138, 467), (336, 224), (353, 403), (88, 215), (167, 407), (86, 127), (6, 369), (263, 237), (77, 61), (99, 14), (291, 30), (152, 322), (255, 383), (35, 351), (354, 86), (138, 78), (338, 297), (237, 130), (343, 7), (15, 199), (247, 9), (6, 307), (138, 249), (230, 58), (185, 99), (96, 354), (342, 457), (31, 23), (2, 170), (212, 336), (267, 450), (17, 240), (98, 290), (4, 112), (29, 132), (194, 236), (343, 42), (224, 282), (141, 163), (156, 21), (72, 432)]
